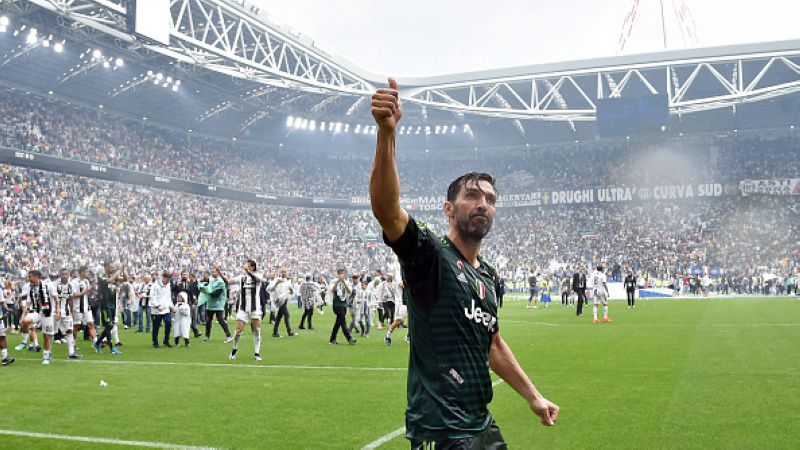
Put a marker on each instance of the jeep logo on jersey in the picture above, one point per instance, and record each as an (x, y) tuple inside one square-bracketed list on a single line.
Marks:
[(480, 316)]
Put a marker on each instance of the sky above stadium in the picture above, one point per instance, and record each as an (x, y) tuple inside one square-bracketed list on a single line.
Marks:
[(422, 38)]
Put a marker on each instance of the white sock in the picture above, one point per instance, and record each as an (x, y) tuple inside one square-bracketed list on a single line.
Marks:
[(70, 344), (5, 353), (236, 340), (389, 333), (46, 354), (25, 338), (36, 341), (115, 335), (257, 340), (594, 311), (605, 312)]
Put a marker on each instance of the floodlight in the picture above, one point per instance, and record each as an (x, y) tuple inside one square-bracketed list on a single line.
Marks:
[(177, 82), (289, 121), (45, 43), (58, 47), (106, 64), (119, 62), (4, 21), (31, 39), (174, 88), (312, 126), (97, 54)]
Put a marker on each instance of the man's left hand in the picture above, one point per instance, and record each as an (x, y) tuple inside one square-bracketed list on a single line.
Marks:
[(546, 410)]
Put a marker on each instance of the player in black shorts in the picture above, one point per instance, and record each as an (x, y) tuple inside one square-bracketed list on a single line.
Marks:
[(452, 307)]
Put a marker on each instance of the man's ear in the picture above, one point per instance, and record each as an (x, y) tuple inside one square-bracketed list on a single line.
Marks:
[(448, 209)]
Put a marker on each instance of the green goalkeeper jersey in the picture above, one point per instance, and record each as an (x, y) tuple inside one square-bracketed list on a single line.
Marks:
[(452, 317)]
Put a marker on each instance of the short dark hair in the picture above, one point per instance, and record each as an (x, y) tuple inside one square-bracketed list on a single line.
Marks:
[(35, 273), (458, 183), (600, 268), (253, 263)]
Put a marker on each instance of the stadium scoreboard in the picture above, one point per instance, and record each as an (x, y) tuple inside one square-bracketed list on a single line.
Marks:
[(625, 115), (150, 19)]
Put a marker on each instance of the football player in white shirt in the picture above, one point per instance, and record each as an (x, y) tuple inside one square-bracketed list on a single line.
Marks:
[(64, 311), (600, 293), (249, 310), (38, 311), (363, 303), (82, 288), (400, 312), (4, 313)]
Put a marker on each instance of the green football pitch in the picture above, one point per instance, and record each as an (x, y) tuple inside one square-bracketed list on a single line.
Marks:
[(720, 373)]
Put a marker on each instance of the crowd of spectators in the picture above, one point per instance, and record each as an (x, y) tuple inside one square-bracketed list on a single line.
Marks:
[(39, 125), (53, 220)]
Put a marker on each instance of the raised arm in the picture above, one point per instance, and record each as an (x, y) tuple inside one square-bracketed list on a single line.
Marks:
[(384, 182), (504, 364)]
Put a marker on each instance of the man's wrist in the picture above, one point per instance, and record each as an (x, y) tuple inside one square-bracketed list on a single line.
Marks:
[(386, 132)]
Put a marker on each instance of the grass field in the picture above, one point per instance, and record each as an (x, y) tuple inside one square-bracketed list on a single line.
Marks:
[(705, 373)]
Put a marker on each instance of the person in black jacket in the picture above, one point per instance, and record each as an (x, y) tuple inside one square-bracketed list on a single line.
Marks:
[(501, 291), (630, 289), (579, 286)]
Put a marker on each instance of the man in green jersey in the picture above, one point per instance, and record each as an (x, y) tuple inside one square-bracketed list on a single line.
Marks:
[(452, 306)]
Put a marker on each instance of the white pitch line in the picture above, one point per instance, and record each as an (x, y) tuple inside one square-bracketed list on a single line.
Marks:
[(384, 439), (245, 366), (388, 437), (65, 437), (533, 323)]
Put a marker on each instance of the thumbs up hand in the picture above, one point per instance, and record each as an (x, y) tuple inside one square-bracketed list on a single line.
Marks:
[(386, 107)]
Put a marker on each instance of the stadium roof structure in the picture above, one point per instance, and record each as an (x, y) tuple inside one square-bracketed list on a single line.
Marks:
[(231, 71)]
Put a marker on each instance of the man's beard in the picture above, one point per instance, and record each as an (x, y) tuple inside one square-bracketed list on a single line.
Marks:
[(470, 232)]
